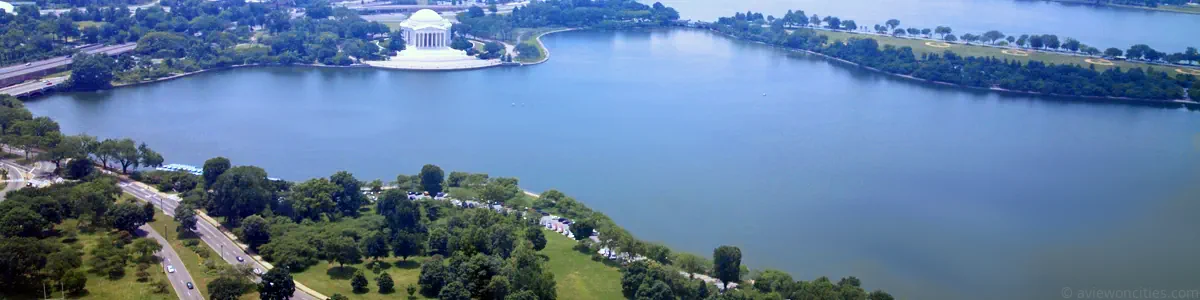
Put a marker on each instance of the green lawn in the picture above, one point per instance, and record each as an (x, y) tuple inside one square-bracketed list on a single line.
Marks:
[(85, 24), (529, 36), (392, 25), (127, 287), (919, 47), (329, 279), (576, 275)]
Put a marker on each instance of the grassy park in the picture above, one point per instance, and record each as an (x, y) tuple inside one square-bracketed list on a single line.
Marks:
[(920, 46), (577, 275), (100, 286)]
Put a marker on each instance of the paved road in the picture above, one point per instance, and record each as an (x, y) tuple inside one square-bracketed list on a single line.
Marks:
[(180, 277), (16, 177), (208, 233), (28, 87), (59, 62)]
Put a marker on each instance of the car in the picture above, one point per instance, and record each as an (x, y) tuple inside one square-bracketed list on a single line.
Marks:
[(239, 258), (170, 269), (27, 64), (257, 272), (49, 83), (190, 286)]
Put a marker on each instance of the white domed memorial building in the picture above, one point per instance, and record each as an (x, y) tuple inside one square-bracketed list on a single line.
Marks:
[(426, 30), (427, 38)]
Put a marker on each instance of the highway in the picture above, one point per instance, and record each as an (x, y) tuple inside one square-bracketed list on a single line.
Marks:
[(23, 89), (180, 277), (44, 66), (208, 233)]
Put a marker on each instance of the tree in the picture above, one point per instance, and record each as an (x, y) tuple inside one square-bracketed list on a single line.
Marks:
[(375, 245), (91, 72), (240, 192), (276, 284), (815, 20), (582, 229), (313, 198), (497, 288), (343, 250), (213, 168), (126, 216), (225, 288), (338, 297), (1071, 44), (1021, 41), (454, 291), (349, 197), (79, 168), (149, 158), (60, 263), (527, 51), (849, 25), (255, 231), (74, 281), (1194, 91), (71, 146), (727, 264), (521, 295), (433, 276), (536, 237), (23, 222), (879, 295), (319, 10), (432, 177), (656, 291), (1051, 41), (926, 32), (127, 154), (186, 216), (992, 36), (385, 283), (359, 282), (893, 23), (407, 244), (1037, 41), (943, 30), (144, 248)]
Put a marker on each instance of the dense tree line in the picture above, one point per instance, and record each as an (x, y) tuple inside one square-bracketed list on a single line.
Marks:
[(983, 72), (41, 135), (38, 250), (560, 13), (1146, 3), (193, 35)]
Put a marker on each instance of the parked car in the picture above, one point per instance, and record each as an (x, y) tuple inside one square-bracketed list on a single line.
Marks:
[(189, 285), (257, 272), (170, 269)]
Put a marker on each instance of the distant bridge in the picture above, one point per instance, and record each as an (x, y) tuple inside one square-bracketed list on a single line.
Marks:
[(33, 88)]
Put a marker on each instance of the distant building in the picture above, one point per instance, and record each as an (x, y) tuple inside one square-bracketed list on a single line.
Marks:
[(426, 29), (7, 7)]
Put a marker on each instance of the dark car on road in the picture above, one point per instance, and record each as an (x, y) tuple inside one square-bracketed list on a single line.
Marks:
[(189, 285)]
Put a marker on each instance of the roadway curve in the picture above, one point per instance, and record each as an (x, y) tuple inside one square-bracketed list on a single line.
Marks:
[(13, 171), (181, 277), (208, 233)]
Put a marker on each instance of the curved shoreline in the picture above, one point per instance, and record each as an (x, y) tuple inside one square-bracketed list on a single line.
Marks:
[(1142, 101), (542, 46), (1138, 101)]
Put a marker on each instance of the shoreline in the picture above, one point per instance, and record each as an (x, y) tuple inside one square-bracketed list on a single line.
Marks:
[(1124, 100), (542, 46), (1159, 8)]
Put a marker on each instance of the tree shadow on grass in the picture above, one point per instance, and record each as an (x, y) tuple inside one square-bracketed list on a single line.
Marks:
[(341, 273), (406, 264)]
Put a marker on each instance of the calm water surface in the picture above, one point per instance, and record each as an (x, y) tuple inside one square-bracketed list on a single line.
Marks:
[(1098, 26), (695, 140)]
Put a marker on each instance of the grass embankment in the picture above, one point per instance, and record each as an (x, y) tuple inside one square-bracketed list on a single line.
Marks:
[(576, 275), (920, 46), (530, 36), (127, 287), (85, 24), (332, 279)]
